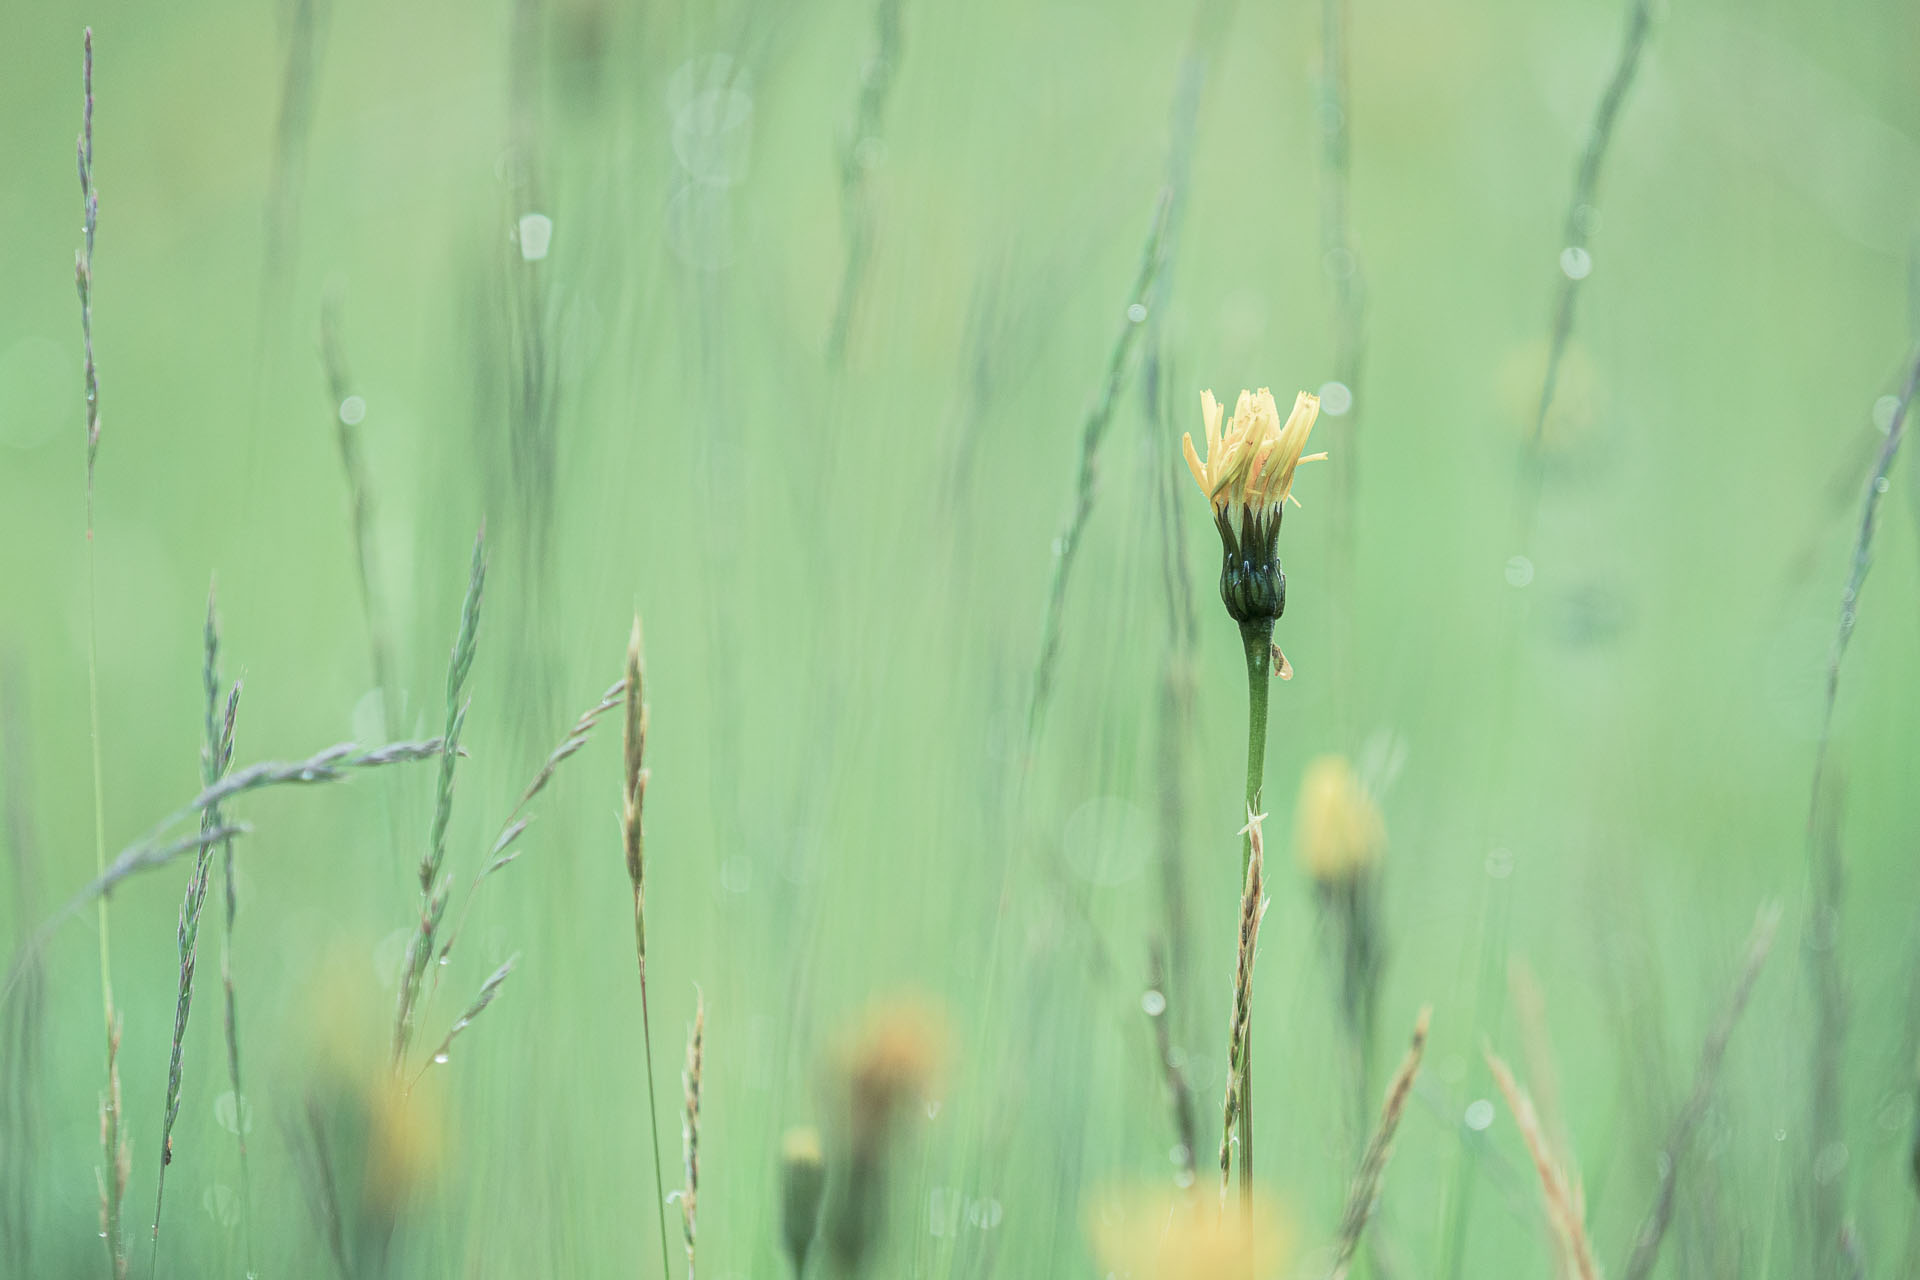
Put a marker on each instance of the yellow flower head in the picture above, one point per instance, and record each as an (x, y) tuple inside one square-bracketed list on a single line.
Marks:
[(1161, 1235), (1250, 463), (1338, 831), (896, 1061)]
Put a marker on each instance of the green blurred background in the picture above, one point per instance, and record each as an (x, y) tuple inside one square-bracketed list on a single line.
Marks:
[(843, 558)]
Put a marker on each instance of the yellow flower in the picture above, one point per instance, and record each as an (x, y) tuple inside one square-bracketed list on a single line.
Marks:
[(1158, 1235), (896, 1061), (1250, 463), (1338, 832)]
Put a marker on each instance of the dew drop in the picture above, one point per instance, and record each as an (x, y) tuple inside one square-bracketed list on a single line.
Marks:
[(1576, 263), (1830, 1163), (1336, 399), (1519, 571), (231, 1116), (1479, 1115), (536, 235), (440, 1059), (1153, 1003), (1136, 313), (353, 411), (1883, 410)]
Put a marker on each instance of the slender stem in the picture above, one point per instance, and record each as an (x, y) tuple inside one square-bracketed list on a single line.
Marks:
[(653, 1110), (1257, 636)]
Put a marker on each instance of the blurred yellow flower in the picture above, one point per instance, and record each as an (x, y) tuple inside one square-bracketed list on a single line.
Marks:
[(1250, 463), (1338, 832), (896, 1060), (1167, 1235)]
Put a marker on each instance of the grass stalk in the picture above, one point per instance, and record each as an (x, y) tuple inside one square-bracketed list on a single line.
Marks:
[(353, 463), (633, 802), (112, 1177), (1825, 868), (1586, 185), (1093, 431), (1238, 1108), (475, 1007), (506, 844), (1179, 1092), (1646, 1244), (690, 1133), (1257, 637), (155, 850), (1564, 1203), (859, 155), (1365, 1191), (22, 1017), (216, 753), (1496, 904), (1341, 261), (230, 1025), (433, 884)]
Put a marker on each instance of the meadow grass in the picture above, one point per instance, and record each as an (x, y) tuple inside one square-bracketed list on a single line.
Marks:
[(1563, 611)]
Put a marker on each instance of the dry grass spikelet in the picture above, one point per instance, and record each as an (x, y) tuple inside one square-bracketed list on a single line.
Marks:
[(690, 1132), (634, 790), (1565, 1201)]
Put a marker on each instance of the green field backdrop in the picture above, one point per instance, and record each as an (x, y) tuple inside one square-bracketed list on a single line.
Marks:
[(782, 324)]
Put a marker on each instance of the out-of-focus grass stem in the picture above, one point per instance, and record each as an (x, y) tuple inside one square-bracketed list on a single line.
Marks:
[(1094, 429), (113, 1179), (859, 154)]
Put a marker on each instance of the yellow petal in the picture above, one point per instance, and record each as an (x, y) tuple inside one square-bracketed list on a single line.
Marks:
[(1306, 408), (1243, 412), (1193, 463), (1210, 414), (1266, 414), (1259, 461)]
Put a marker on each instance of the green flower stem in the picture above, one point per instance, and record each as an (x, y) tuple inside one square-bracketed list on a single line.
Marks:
[(1257, 635)]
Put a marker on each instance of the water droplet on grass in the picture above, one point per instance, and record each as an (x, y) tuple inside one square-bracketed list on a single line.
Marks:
[(1519, 571), (1154, 1003), (1576, 263), (1883, 410), (353, 411), (1479, 1115)]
